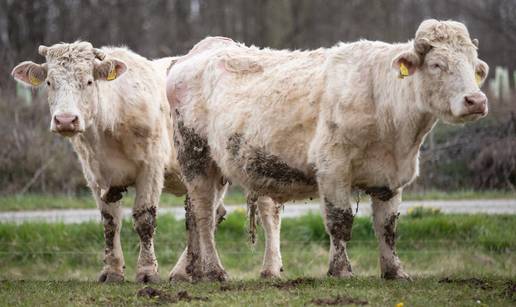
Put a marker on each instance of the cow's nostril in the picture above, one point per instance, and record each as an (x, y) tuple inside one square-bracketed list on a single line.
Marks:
[(469, 101), (66, 119)]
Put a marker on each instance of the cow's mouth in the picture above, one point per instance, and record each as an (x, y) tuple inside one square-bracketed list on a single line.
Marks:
[(67, 132)]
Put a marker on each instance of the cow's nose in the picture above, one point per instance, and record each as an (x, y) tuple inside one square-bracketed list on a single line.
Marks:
[(65, 121), (476, 103)]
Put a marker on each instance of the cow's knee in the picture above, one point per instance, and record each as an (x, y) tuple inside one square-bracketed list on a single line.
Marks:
[(145, 224)]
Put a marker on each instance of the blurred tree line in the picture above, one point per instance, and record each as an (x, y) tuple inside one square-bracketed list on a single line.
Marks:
[(31, 159)]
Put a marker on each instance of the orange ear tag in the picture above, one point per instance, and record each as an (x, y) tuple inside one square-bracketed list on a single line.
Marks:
[(112, 75), (404, 72), (34, 81), (478, 78)]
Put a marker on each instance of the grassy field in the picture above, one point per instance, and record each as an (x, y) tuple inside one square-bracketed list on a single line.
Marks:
[(42, 202), (474, 254)]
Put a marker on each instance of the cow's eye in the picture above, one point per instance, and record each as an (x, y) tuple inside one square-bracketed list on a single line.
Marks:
[(90, 82), (435, 66), (48, 83)]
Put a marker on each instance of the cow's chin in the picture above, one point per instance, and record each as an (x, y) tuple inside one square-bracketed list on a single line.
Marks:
[(67, 133), (462, 119)]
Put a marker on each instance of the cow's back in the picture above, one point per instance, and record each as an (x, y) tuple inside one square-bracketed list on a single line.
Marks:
[(255, 106)]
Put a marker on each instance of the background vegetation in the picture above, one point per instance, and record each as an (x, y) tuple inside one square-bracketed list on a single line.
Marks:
[(480, 156)]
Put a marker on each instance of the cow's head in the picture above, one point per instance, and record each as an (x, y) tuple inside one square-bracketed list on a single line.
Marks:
[(71, 74), (446, 70)]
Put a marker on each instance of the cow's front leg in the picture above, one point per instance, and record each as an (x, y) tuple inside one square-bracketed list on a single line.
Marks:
[(271, 222), (111, 214), (385, 216), (148, 190), (338, 218)]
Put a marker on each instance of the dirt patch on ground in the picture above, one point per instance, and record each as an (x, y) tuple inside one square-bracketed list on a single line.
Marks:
[(163, 297), (338, 300), (473, 282), (291, 284), (228, 287)]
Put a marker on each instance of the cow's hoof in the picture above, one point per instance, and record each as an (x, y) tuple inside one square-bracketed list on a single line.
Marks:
[(216, 275), (398, 274), (177, 277), (340, 274), (270, 274), (147, 277), (110, 277)]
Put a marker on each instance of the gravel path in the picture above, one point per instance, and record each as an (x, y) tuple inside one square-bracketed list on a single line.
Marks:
[(499, 206)]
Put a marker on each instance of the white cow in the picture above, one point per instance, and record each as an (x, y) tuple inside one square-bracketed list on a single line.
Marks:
[(111, 104), (292, 124)]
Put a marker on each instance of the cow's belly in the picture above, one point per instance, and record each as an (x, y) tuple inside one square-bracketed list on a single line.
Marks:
[(264, 173)]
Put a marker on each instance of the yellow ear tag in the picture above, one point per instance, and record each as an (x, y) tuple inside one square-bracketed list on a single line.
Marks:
[(404, 72), (34, 81), (478, 78), (112, 75)]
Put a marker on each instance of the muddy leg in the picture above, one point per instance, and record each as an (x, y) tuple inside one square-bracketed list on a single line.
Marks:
[(148, 190), (113, 270), (203, 262), (338, 222), (385, 215), (179, 273), (338, 216), (270, 217)]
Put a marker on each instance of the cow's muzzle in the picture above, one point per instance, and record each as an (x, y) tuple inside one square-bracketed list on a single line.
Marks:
[(476, 104), (65, 124)]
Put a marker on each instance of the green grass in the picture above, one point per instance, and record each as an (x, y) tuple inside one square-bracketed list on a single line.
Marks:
[(43, 202), (421, 292), (431, 246)]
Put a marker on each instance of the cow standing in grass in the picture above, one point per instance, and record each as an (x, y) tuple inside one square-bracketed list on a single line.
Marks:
[(112, 104), (291, 124)]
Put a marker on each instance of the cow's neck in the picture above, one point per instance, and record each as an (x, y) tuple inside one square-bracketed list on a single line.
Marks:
[(402, 128), (403, 121), (411, 123)]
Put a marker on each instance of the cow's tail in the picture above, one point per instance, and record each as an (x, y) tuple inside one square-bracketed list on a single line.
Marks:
[(252, 215), (165, 64)]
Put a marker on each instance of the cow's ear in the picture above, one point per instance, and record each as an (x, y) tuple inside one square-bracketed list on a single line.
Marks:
[(30, 73), (481, 72), (406, 63), (109, 69)]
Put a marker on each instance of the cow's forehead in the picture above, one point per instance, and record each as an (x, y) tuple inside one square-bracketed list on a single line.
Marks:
[(454, 53), (70, 55), (69, 70)]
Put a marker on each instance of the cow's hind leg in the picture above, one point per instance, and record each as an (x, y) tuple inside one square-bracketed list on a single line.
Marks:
[(206, 188), (149, 184), (111, 213), (270, 218), (179, 272), (385, 216), (203, 262)]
